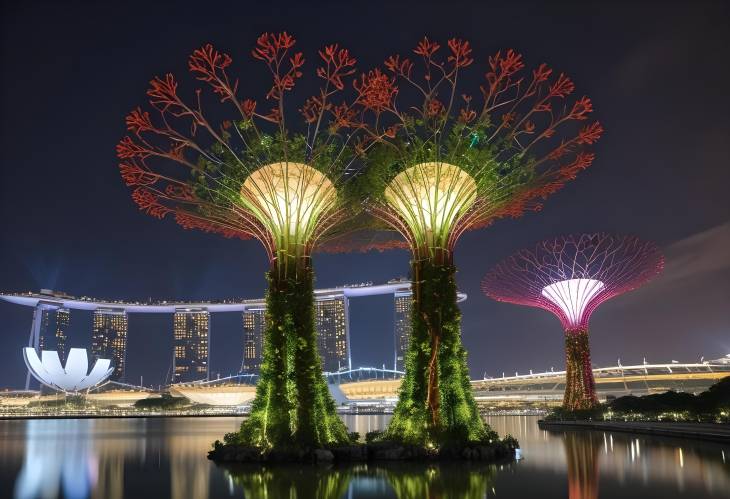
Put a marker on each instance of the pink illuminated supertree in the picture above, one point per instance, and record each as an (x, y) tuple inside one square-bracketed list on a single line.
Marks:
[(571, 276)]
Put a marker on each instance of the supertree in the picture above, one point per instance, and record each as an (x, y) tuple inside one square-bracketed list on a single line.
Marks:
[(571, 276), (444, 164), (222, 164)]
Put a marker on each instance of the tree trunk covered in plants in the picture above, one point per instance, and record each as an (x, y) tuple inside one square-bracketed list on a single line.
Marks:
[(293, 406), (580, 388), (436, 405)]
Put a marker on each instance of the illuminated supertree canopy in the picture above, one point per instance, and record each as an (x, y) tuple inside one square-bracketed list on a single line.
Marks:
[(443, 163), (571, 276), (218, 162)]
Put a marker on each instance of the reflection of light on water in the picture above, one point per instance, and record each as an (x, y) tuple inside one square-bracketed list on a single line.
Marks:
[(52, 461), (626, 460), (95, 458)]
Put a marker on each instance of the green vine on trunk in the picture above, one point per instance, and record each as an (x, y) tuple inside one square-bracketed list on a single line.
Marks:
[(293, 406), (436, 404)]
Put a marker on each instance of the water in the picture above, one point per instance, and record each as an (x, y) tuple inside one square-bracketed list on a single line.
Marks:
[(115, 458)]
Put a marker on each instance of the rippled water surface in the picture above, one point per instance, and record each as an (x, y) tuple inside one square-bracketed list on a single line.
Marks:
[(114, 458)]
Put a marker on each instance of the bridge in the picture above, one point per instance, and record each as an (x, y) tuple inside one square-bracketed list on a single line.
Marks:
[(615, 381), (370, 385), (57, 299)]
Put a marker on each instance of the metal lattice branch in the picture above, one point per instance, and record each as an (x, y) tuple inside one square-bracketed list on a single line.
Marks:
[(232, 176), (455, 165), (572, 275)]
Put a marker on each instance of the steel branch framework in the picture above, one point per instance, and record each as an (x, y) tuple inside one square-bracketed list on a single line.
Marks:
[(571, 276), (453, 162), (247, 173)]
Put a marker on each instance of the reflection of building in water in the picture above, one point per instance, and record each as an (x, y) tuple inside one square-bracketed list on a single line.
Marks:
[(189, 473), (55, 465), (110, 478), (76, 458), (111, 452), (581, 455), (679, 465)]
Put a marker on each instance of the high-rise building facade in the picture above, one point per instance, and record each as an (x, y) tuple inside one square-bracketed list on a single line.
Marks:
[(403, 305), (254, 321), (52, 332), (331, 318), (63, 319), (191, 340), (45, 328), (331, 321), (109, 338)]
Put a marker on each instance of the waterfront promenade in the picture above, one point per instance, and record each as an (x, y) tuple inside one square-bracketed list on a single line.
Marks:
[(714, 432)]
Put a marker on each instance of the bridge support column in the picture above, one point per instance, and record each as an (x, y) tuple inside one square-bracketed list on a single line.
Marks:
[(34, 339)]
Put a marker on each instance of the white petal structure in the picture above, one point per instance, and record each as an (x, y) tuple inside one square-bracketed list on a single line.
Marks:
[(74, 377), (572, 296)]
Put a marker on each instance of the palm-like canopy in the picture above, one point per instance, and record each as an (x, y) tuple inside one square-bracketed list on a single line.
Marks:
[(442, 165), (246, 175)]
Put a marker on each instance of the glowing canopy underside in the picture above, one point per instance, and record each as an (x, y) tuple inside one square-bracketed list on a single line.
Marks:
[(430, 197), (72, 377), (573, 296), (288, 198)]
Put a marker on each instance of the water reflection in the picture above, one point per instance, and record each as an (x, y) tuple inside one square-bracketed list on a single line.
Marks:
[(44, 472), (445, 481), (293, 482), (624, 462), (582, 451), (166, 458), (397, 480)]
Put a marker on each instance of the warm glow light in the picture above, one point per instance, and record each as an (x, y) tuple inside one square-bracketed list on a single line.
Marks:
[(430, 197), (573, 296), (288, 198)]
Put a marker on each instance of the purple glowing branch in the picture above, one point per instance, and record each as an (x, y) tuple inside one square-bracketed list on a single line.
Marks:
[(571, 276)]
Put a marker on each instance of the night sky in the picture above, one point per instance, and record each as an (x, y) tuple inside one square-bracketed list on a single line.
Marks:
[(657, 74)]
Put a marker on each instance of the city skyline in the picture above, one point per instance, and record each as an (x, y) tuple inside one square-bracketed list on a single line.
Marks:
[(643, 182), (448, 248), (191, 326)]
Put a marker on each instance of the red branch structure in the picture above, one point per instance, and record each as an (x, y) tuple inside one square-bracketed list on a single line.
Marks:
[(534, 136), (571, 276), (187, 156)]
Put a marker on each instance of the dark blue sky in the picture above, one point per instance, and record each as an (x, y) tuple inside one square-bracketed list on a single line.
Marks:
[(657, 74)]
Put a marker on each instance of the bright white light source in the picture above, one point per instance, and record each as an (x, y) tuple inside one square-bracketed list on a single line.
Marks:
[(71, 378), (573, 296), (288, 198), (430, 197)]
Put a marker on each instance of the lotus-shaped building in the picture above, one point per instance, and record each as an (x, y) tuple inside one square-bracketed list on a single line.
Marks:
[(72, 377)]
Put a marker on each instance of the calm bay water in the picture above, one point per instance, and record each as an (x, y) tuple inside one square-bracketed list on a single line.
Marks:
[(115, 458)]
